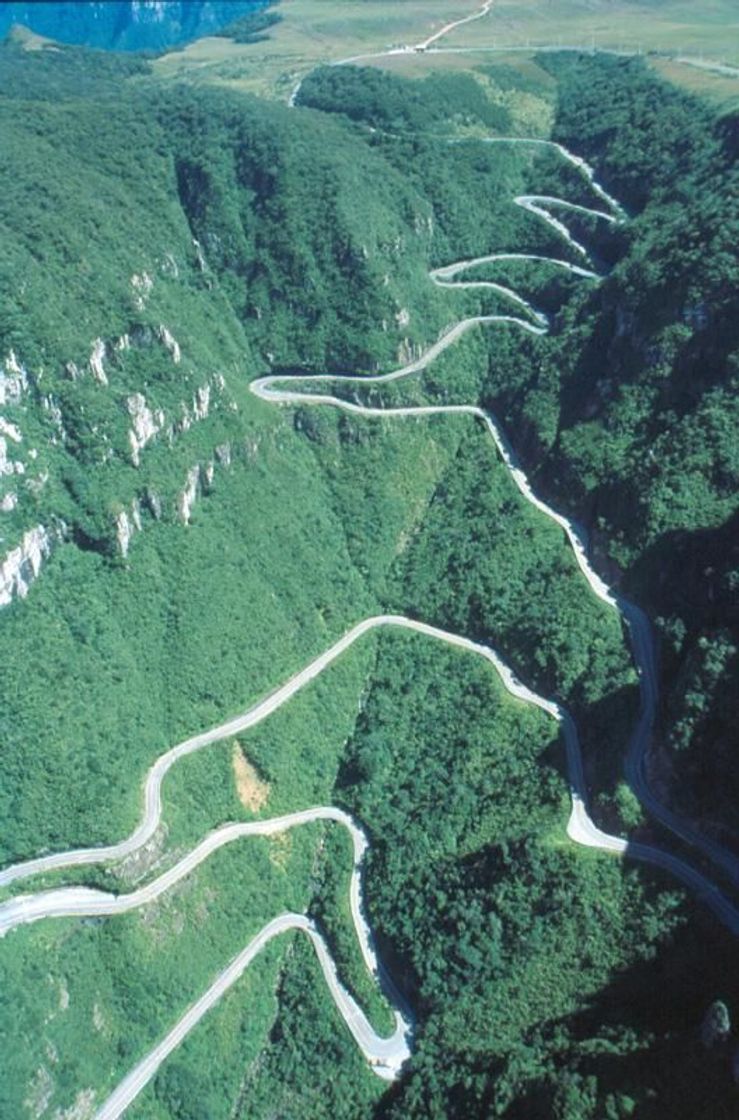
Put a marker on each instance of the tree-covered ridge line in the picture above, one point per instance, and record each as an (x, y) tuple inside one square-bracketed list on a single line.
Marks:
[(656, 433)]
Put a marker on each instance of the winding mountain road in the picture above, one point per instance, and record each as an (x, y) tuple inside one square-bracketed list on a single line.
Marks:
[(387, 1055), (86, 902), (277, 389)]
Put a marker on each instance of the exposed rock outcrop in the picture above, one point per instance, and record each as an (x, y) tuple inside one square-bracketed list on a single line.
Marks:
[(201, 402), (154, 504), (716, 1026), (13, 380), (170, 343), (145, 425), (126, 523), (12, 431), (97, 357), (186, 499), (22, 564)]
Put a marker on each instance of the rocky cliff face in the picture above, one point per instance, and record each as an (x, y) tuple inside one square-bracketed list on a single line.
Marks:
[(130, 25), (125, 357), (22, 564)]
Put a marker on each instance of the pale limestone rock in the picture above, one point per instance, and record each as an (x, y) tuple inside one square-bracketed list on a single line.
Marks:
[(403, 317), (122, 344), (13, 380), (72, 371), (10, 430), (209, 472), (145, 424), (186, 499), (22, 564), (123, 532), (126, 524), (154, 502), (54, 411), (8, 503), (13, 366), (201, 402), (97, 358), (223, 454), (170, 343), (202, 265)]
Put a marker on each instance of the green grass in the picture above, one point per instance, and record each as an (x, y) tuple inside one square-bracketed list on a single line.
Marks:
[(312, 32), (673, 26)]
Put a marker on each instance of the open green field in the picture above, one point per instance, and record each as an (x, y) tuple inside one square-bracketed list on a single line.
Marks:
[(315, 32), (721, 89), (674, 26), (310, 32)]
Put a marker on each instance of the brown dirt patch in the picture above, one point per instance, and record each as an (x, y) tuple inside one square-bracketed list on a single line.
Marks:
[(253, 792)]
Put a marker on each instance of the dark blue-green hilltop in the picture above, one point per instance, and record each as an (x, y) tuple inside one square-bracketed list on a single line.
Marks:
[(127, 25)]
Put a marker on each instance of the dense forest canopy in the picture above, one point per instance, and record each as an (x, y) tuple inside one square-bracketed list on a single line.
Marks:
[(545, 981)]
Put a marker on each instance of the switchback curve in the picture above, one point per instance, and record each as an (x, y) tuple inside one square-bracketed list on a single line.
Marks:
[(276, 390)]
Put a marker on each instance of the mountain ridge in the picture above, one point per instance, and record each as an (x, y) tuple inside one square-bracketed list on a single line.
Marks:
[(126, 25)]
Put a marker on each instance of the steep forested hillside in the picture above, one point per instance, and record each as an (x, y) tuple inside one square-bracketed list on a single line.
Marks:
[(633, 419), (174, 548)]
